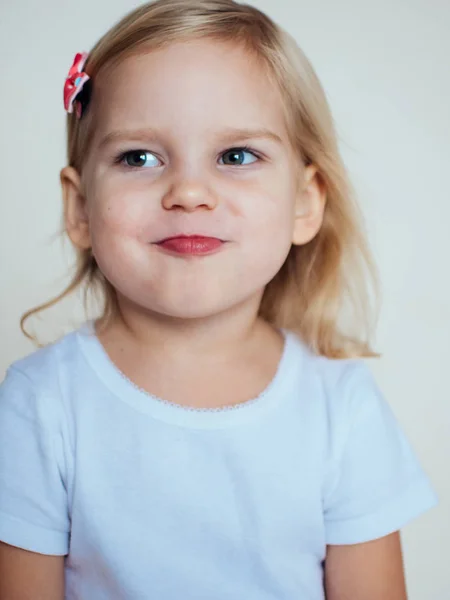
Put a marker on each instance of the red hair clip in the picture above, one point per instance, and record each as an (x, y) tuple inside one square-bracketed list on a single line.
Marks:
[(74, 83)]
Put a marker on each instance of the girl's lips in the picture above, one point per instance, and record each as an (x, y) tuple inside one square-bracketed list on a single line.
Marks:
[(193, 244)]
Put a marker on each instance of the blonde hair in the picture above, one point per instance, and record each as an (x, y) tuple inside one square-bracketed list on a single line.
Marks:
[(324, 289)]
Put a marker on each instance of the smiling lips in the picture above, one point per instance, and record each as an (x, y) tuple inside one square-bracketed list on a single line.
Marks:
[(191, 244)]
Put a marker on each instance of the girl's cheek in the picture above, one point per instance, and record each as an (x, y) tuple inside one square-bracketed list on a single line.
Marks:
[(119, 215)]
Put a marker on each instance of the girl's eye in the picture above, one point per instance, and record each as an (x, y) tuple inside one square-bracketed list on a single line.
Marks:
[(236, 156), (139, 158), (144, 159)]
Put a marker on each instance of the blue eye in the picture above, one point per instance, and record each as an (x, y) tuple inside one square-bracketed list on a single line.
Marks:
[(236, 156), (139, 159)]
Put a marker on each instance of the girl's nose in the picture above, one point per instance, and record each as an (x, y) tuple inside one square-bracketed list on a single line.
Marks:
[(189, 195)]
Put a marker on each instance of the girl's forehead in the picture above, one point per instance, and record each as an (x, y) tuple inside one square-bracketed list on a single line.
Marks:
[(205, 82)]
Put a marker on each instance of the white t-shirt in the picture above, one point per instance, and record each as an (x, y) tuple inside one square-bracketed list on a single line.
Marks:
[(151, 500)]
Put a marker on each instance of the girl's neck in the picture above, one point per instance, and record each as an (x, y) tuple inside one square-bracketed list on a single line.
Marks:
[(138, 330), (189, 362)]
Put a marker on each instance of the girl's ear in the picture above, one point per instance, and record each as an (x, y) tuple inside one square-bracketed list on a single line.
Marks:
[(75, 211), (310, 207)]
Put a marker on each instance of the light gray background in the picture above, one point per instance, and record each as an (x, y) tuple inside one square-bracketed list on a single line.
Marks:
[(385, 68)]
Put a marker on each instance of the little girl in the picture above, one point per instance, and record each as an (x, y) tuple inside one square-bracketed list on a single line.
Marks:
[(214, 435)]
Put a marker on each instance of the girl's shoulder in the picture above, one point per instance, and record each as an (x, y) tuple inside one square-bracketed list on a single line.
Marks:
[(334, 379), (42, 365), (341, 396), (45, 373)]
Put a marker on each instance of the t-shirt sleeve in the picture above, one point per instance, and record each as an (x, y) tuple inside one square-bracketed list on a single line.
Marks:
[(375, 484), (33, 499)]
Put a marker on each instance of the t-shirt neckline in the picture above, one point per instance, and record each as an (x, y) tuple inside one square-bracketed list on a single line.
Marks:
[(204, 418)]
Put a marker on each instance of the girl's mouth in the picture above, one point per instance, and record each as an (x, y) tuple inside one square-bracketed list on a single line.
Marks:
[(194, 245)]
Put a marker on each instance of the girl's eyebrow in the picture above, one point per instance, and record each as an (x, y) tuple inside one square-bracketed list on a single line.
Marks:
[(228, 135), (231, 134)]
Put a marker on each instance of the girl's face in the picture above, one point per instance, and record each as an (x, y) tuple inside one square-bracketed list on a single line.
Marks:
[(189, 140)]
